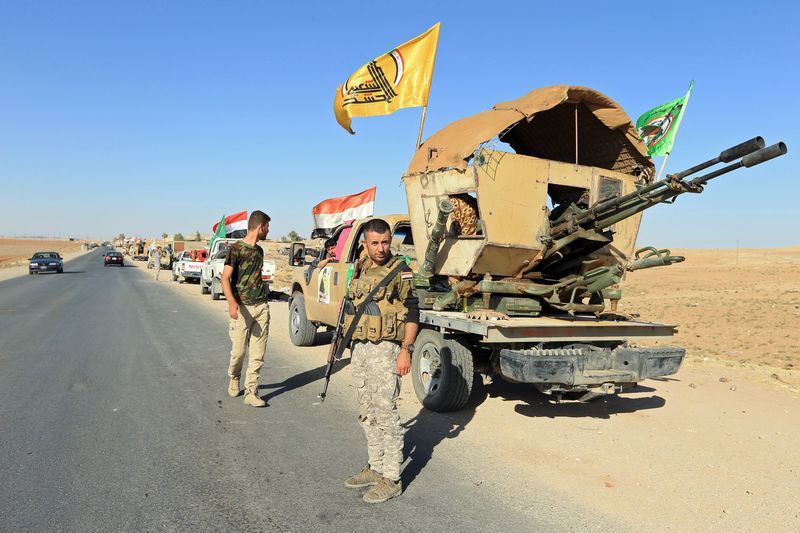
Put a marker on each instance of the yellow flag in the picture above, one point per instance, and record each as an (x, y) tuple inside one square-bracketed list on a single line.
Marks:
[(399, 78)]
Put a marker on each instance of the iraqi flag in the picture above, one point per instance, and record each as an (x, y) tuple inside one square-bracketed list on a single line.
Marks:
[(334, 211), (235, 225)]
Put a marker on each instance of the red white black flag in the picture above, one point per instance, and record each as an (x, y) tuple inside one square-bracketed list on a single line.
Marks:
[(235, 225), (335, 211)]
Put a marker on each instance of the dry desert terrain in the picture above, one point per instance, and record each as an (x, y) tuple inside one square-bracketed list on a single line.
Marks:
[(17, 251)]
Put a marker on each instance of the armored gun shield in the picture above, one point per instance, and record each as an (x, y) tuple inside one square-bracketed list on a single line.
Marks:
[(574, 146)]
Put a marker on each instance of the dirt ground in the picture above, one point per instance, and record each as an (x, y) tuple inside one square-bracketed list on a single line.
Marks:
[(736, 309), (17, 251)]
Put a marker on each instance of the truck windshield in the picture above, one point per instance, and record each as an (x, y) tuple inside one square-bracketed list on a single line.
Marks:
[(402, 243)]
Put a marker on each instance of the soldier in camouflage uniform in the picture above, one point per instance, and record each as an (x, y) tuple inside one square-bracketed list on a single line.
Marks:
[(381, 354), (246, 294)]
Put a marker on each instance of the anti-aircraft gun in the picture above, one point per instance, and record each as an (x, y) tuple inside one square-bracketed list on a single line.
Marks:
[(521, 250)]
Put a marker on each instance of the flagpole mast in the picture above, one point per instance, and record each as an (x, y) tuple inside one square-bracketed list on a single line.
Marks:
[(425, 107), (421, 124), (662, 166)]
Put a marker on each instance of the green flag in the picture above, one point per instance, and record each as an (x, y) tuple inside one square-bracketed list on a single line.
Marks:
[(659, 126), (220, 233)]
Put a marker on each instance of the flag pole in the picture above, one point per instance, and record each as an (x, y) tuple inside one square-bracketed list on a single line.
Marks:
[(662, 166), (421, 124), (425, 107)]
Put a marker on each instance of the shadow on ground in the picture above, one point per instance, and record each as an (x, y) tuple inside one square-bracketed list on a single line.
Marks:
[(428, 428), (301, 380), (536, 404)]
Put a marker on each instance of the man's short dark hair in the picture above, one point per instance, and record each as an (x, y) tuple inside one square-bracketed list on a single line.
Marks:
[(376, 225), (330, 242), (257, 218)]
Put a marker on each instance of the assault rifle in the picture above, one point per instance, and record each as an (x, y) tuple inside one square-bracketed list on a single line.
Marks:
[(334, 353)]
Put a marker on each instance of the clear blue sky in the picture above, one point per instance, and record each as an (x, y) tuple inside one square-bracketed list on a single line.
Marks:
[(146, 117)]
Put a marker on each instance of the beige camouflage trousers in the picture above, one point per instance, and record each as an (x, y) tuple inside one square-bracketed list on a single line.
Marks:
[(377, 383), (252, 327)]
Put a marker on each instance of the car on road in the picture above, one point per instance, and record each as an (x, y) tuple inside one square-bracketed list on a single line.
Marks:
[(113, 258), (45, 262)]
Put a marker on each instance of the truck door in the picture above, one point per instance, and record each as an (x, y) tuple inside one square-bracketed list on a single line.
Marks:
[(327, 285)]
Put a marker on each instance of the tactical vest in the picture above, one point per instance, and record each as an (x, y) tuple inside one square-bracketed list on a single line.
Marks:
[(385, 316)]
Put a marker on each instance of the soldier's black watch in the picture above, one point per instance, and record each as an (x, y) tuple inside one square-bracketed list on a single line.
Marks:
[(409, 347)]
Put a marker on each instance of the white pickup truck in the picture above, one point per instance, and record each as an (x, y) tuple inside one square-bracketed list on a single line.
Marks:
[(183, 268), (211, 273)]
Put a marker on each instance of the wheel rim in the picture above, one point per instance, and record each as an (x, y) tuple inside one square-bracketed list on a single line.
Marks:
[(429, 371), (295, 321)]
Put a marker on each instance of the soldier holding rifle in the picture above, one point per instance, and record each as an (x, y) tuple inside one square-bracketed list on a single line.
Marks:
[(381, 315)]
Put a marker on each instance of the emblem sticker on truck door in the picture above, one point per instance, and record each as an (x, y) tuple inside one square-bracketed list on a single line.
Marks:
[(324, 286)]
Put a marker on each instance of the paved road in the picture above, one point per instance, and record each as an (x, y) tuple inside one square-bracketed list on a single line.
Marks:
[(113, 417)]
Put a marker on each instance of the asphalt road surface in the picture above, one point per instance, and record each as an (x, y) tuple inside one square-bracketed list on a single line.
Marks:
[(114, 417)]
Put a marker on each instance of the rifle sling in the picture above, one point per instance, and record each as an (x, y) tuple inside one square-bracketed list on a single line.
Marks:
[(363, 307)]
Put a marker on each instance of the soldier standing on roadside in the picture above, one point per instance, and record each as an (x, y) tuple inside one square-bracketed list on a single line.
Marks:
[(381, 354), (246, 294), (157, 261)]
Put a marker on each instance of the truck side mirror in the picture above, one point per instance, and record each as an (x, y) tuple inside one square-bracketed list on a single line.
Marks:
[(297, 255)]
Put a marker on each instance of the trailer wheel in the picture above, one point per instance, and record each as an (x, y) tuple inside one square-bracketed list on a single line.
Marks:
[(442, 371), (301, 330)]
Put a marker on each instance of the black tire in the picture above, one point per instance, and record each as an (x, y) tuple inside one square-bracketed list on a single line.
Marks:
[(442, 371), (203, 288), (105, 264), (301, 330), (30, 272), (215, 295), (174, 276), (60, 270)]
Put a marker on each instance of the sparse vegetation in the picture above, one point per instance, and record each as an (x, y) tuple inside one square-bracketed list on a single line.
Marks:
[(178, 237), (293, 236)]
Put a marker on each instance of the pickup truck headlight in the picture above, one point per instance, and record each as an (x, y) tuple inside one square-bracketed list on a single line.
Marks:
[(34, 265)]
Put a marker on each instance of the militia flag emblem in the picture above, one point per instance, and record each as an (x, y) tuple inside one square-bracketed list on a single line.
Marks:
[(399, 78), (659, 126)]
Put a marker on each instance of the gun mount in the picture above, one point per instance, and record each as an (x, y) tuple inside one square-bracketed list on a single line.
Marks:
[(557, 221)]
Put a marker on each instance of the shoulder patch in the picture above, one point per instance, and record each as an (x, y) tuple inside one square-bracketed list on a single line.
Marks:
[(406, 275)]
